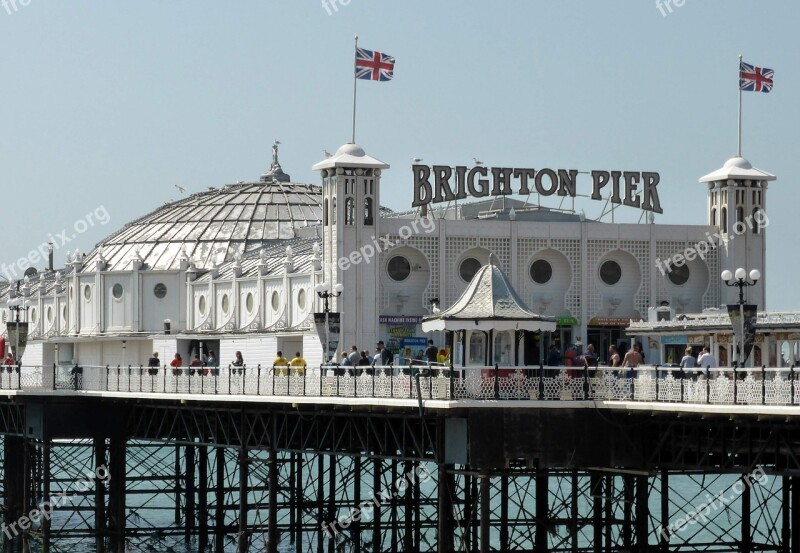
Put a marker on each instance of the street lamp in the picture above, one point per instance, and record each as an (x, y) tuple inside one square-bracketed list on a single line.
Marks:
[(14, 305), (739, 279), (323, 290)]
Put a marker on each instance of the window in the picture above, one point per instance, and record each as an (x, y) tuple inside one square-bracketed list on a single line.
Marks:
[(333, 211), (679, 275), (756, 221), (116, 291), (160, 291), (201, 305), (541, 271), (249, 302), (723, 219), (325, 213), (398, 268), (34, 315), (610, 272), (368, 212), (714, 217), (349, 211), (49, 315), (276, 301), (87, 292), (301, 299), (226, 304), (468, 268)]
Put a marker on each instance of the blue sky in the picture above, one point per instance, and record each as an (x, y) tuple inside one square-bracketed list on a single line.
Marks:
[(113, 103)]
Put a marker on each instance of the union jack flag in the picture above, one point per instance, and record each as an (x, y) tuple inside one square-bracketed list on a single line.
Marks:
[(755, 79), (374, 66)]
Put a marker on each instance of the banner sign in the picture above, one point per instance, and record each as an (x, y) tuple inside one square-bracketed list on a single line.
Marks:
[(441, 183), (399, 320), (332, 335), (674, 340), (750, 312), (17, 338)]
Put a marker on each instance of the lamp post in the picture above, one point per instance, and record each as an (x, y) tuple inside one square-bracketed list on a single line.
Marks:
[(739, 279), (14, 305), (323, 290)]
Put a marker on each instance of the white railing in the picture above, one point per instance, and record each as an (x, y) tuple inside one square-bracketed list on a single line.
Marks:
[(773, 386)]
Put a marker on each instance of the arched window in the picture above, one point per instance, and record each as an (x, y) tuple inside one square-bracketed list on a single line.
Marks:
[(714, 217), (325, 213), (740, 214), (368, 212), (723, 219), (333, 211), (756, 221), (349, 211)]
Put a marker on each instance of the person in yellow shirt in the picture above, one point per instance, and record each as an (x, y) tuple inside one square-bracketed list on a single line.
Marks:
[(298, 365), (280, 364)]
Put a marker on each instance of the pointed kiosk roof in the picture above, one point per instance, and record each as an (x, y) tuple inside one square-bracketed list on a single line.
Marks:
[(488, 303), (738, 168), (350, 156)]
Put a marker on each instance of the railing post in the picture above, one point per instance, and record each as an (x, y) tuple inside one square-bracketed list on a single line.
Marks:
[(708, 385), (165, 379), (763, 385), (230, 375), (735, 383), (791, 384), (305, 372), (633, 381), (586, 381), (258, 382), (683, 377), (656, 371), (391, 381), (321, 378), (451, 384), (540, 395), (496, 381), (55, 373)]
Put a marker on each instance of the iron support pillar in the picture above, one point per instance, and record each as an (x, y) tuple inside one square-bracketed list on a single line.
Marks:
[(486, 486), (242, 538), (99, 492), (642, 513), (377, 537), (445, 523), (596, 485), (202, 492), (747, 535), (219, 499), (272, 529), (117, 472), (664, 532), (46, 498), (795, 513), (189, 524), (542, 510)]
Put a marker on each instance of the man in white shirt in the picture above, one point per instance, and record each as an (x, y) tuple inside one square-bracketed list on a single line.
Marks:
[(706, 360)]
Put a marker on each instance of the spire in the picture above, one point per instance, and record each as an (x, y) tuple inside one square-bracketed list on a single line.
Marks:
[(275, 173)]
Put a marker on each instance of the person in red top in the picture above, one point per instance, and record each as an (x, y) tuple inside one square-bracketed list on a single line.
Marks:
[(196, 362), (9, 362), (176, 362)]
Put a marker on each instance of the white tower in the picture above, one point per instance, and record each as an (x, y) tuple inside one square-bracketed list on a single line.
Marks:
[(351, 227), (737, 200)]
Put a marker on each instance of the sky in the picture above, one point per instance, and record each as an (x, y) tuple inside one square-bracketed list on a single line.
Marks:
[(106, 106)]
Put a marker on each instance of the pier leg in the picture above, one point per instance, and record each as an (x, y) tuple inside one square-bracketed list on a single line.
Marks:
[(178, 488), (795, 514), (117, 483), (486, 513), (243, 541), (445, 489), (542, 509), (332, 461), (504, 512), (321, 536), (747, 537), (46, 497), (189, 525), (202, 540), (357, 500), (608, 514), (377, 537), (299, 501), (596, 484), (408, 509), (99, 494), (575, 510), (627, 510), (272, 532), (663, 535), (642, 513), (219, 515)]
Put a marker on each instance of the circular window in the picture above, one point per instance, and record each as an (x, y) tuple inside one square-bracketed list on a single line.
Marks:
[(249, 302), (116, 291), (610, 272), (468, 268), (679, 275), (276, 301), (201, 305), (160, 291), (34, 315), (541, 271), (226, 304), (301, 299), (49, 315), (398, 268), (87, 292)]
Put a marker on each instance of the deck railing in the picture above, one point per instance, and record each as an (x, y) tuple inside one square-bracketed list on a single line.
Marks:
[(751, 386)]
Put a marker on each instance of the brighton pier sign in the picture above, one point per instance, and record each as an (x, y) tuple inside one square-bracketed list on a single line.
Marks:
[(441, 183)]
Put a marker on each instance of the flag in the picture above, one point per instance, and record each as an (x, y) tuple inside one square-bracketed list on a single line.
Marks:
[(374, 66), (755, 79)]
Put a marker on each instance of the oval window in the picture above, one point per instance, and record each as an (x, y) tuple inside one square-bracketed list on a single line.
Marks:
[(34, 315), (226, 304), (70, 293), (679, 275), (64, 312), (398, 268), (301, 299), (160, 291), (468, 268), (49, 315), (610, 272), (276, 301), (249, 302), (541, 271), (87, 292), (116, 291), (201, 305)]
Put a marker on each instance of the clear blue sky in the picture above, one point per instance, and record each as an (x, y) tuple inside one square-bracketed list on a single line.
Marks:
[(113, 103)]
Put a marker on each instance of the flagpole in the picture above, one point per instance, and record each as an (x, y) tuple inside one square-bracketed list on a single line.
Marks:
[(353, 141), (739, 151)]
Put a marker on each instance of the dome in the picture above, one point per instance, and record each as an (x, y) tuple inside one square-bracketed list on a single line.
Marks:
[(212, 227), (738, 163), (351, 149)]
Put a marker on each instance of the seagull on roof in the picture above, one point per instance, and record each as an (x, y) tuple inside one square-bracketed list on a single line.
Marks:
[(476, 161), (327, 153), (180, 189), (416, 159)]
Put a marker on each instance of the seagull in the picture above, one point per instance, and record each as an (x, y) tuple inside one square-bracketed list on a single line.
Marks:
[(436, 309), (476, 161), (327, 153), (277, 142), (416, 159), (180, 189)]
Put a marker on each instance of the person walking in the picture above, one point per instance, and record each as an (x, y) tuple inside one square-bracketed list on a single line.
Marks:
[(706, 361), (153, 364), (212, 363), (614, 359), (688, 361), (196, 365)]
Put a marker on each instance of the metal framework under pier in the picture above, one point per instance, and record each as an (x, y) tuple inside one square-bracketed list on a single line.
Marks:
[(119, 475)]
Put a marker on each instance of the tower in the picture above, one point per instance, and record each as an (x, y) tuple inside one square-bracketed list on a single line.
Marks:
[(737, 199), (351, 227)]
